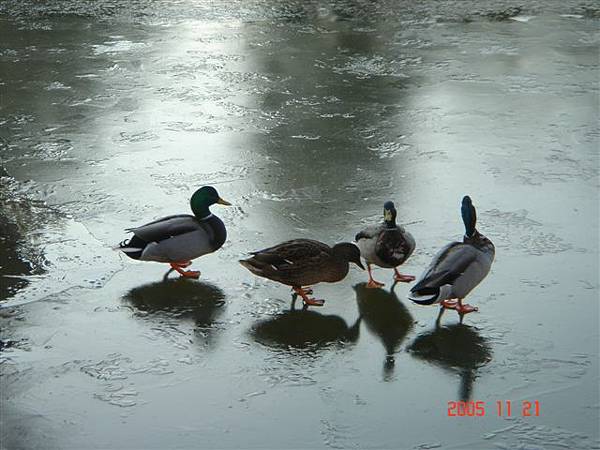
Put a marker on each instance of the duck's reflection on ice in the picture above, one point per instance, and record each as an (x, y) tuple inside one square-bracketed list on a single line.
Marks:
[(458, 348), (304, 329), (387, 318), (178, 299)]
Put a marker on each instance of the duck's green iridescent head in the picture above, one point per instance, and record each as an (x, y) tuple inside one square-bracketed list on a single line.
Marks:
[(203, 198), (389, 214), (469, 216)]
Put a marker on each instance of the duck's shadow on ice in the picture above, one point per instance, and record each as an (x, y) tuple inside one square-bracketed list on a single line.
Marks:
[(174, 300), (457, 348), (387, 318), (304, 329)]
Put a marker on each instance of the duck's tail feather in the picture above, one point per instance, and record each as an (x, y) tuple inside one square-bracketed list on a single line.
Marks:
[(133, 247), (252, 266), (423, 298), (428, 295)]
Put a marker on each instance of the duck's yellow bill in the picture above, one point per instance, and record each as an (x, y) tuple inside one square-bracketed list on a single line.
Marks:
[(223, 202)]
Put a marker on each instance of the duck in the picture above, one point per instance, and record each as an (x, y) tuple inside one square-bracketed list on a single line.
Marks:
[(304, 262), (386, 245), (457, 268), (178, 239)]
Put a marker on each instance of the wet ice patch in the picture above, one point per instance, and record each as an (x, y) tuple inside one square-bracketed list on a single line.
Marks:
[(311, 193), (8, 52), (107, 369), (73, 257), (179, 182), (42, 26), (505, 14), (499, 50), (114, 369), (118, 47), (306, 137), (515, 228), (56, 150), (57, 86), (364, 67), (291, 368), (389, 149), (524, 84), (17, 120), (337, 435), (559, 168), (118, 395), (524, 435), (523, 19), (138, 137)]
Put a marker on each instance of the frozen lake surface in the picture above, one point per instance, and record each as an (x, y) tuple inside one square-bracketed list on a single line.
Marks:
[(307, 116)]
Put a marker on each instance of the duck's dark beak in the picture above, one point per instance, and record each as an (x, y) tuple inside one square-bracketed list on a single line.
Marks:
[(223, 202), (359, 264)]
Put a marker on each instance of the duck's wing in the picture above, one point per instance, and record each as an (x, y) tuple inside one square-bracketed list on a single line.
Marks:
[(453, 262), (166, 228), (296, 262), (290, 253), (367, 240), (181, 247), (370, 232)]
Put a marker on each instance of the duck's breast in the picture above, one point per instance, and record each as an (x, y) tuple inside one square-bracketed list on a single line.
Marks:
[(394, 246), (215, 228), (334, 270)]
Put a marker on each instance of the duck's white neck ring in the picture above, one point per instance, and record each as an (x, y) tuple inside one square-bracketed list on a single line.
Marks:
[(202, 219)]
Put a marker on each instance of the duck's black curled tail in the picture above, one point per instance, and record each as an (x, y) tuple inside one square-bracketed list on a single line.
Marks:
[(424, 295), (133, 247)]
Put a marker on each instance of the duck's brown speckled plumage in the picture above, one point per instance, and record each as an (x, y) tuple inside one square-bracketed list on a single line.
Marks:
[(300, 262)]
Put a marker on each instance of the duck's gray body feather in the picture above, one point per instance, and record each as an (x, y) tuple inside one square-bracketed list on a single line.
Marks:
[(177, 238), (165, 227), (454, 272), (385, 247)]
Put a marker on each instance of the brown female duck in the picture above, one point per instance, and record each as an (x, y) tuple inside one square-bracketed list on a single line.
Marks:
[(303, 262)]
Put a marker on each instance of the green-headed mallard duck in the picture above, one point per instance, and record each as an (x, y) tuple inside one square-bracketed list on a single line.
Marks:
[(303, 262), (179, 239), (457, 268), (386, 245)]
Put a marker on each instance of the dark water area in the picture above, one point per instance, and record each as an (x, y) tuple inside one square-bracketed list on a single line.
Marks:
[(306, 116)]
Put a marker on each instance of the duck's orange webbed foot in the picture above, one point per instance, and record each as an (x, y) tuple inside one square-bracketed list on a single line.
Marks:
[(403, 278), (306, 299), (307, 291), (449, 303), (195, 274), (466, 309), (372, 283)]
